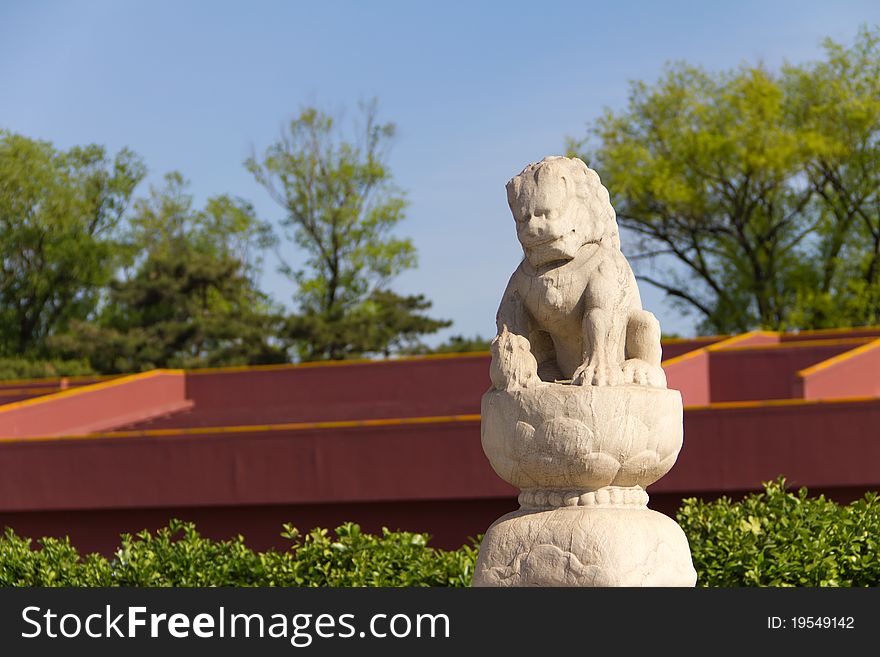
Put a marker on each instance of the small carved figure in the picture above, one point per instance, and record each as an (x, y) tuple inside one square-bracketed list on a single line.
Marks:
[(573, 299)]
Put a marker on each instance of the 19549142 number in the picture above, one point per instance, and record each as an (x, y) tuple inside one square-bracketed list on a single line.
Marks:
[(811, 622)]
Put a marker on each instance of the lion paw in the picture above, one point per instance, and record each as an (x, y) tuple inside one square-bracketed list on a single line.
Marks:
[(642, 373), (597, 374)]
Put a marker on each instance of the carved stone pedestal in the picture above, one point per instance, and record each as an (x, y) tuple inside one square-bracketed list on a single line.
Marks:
[(582, 456), (579, 416), (597, 544)]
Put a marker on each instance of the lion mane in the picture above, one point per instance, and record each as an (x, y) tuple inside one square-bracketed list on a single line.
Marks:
[(580, 179)]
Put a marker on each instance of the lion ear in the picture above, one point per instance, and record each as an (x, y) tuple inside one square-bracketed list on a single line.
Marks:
[(512, 186)]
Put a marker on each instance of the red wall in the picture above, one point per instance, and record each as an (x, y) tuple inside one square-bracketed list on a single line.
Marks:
[(450, 522), (383, 389), (768, 373), (855, 376), (421, 477), (262, 478), (673, 349), (690, 375), (87, 409), (832, 334), (13, 391), (818, 444), (399, 462)]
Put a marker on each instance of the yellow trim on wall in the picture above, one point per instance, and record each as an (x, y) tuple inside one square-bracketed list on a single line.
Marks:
[(723, 344), (258, 428), (337, 363), (57, 379), (836, 360), (874, 328), (81, 390), (699, 338), (763, 403), (407, 421), (693, 353), (797, 344)]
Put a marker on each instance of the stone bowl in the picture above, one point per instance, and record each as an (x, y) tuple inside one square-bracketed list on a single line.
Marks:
[(581, 438)]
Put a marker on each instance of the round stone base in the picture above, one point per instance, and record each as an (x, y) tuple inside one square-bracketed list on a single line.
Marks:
[(585, 546)]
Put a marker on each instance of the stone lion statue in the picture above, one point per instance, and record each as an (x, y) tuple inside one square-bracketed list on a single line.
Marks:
[(571, 312)]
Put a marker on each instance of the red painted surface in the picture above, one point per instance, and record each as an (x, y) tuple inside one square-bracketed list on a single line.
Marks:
[(822, 445), (13, 391), (855, 376), (96, 408), (403, 462), (751, 339), (382, 389), (450, 522), (678, 347), (425, 477), (11, 398), (59, 383), (749, 374), (691, 372), (690, 375), (725, 450), (834, 334)]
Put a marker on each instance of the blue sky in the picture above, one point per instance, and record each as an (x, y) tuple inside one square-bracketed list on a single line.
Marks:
[(477, 90)]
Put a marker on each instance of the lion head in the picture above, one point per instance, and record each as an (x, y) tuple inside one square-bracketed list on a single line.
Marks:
[(559, 205)]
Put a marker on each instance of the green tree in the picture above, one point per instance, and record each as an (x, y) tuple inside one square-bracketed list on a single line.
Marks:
[(837, 101), (456, 344), (189, 296), (340, 209), (761, 186), (60, 212), (383, 322)]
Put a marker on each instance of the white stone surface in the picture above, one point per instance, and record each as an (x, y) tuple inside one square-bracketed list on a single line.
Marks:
[(584, 437), (574, 297), (578, 546), (578, 416)]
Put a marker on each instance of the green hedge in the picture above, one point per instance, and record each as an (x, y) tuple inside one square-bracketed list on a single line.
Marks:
[(784, 538), (178, 556), (775, 538)]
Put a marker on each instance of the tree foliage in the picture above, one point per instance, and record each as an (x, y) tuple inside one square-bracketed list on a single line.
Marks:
[(340, 209), (60, 214), (457, 344), (838, 101), (30, 368), (761, 187), (189, 296), (383, 322)]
